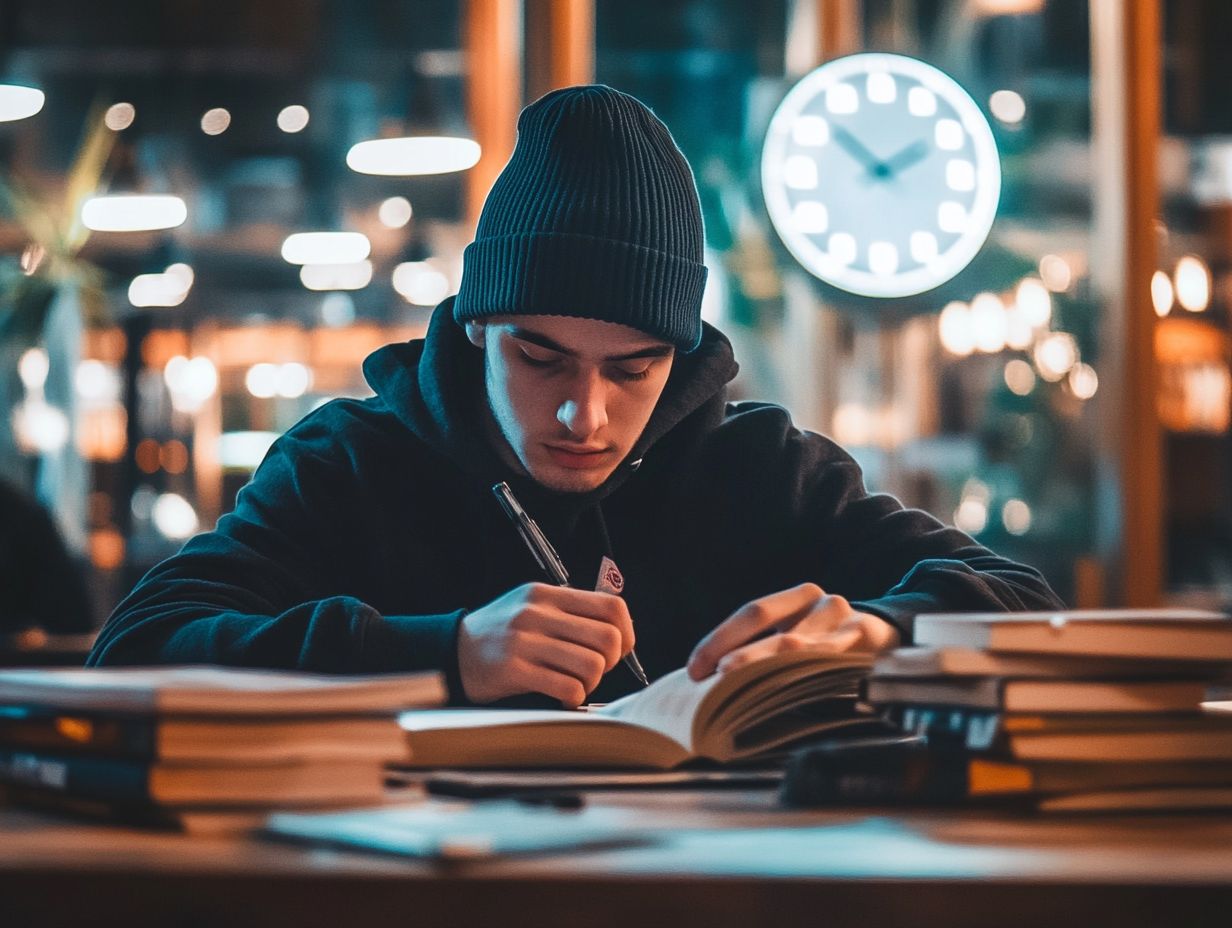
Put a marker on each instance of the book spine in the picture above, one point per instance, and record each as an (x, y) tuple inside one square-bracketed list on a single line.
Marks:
[(46, 729), (974, 729), (109, 779), (142, 815), (892, 769)]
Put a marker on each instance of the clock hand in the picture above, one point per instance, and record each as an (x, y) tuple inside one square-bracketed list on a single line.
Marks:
[(854, 147), (905, 158)]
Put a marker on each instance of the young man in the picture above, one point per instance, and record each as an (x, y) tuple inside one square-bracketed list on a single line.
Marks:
[(574, 365)]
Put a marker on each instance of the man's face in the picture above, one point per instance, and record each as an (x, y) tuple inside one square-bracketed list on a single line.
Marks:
[(570, 396)]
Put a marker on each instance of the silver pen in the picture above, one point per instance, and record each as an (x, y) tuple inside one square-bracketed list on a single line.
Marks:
[(547, 557)]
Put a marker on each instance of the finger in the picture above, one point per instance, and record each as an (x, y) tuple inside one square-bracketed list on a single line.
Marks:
[(749, 621), (879, 635), (828, 614), (602, 607), (559, 686), (582, 664), (751, 652), (589, 633), (847, 638)]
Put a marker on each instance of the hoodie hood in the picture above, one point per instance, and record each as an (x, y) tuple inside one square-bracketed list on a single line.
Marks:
[(434, 386)]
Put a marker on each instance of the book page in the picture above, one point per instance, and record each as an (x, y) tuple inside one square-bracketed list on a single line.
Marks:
[(533, 738), (668, 705), (689, 711)]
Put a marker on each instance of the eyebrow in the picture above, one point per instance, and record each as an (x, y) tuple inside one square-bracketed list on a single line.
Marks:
[(653, 351)]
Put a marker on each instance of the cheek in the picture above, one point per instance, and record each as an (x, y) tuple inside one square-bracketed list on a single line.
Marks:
[(518, 399)]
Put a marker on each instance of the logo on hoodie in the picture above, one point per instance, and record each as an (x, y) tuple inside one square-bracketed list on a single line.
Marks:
[(611, 580)]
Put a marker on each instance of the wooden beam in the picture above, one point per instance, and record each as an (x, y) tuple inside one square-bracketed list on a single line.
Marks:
[(493, 41), (1126, 77), (560, 45), (839, 28)]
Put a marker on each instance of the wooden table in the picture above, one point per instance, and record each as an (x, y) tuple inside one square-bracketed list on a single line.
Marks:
[(725, 858)]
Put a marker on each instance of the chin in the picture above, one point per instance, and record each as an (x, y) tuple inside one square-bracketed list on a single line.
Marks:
[(567, 480)]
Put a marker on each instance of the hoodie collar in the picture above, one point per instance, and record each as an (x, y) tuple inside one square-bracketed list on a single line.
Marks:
[(434, 386)]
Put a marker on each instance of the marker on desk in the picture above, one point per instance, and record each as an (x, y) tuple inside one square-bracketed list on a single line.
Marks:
[(548, 559)]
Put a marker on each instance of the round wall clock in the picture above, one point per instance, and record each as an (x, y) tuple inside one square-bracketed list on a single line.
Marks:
[(881, 175)]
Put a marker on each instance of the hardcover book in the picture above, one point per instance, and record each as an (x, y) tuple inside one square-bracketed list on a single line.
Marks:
[(1185, 634), (208, 690)]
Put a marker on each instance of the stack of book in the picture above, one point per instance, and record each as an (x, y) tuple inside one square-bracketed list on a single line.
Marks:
[(1072, 710), (178, 745)]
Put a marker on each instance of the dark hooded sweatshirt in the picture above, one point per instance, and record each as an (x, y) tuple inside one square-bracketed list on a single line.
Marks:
[(370, 530)]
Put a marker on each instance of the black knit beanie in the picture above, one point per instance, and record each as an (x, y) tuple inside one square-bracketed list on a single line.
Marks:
[(596, 215)]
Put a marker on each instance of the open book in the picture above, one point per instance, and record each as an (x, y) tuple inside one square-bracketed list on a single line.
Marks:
[(749, 713)]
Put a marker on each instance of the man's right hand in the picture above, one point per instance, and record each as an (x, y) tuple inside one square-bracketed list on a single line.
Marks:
[(546, 639)]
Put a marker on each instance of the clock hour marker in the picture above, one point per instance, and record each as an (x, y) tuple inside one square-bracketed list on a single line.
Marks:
[(842, 247), (842, 99), (882, 258), (951, 216), (921, 101), (923, 246), (881, 88), (810, 130), (811, 217), (800, 172), (949, 134), (960, 174)]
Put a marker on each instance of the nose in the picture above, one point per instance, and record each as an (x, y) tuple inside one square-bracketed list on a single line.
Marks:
[(584, 409)]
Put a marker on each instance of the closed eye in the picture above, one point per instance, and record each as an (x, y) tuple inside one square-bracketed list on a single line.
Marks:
[(539, 357), (626, 375)]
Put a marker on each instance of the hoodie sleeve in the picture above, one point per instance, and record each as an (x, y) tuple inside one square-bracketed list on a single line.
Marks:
[(261, 589), (888, 560)]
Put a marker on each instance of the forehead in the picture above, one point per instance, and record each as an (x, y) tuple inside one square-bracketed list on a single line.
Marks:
[(583, 337)]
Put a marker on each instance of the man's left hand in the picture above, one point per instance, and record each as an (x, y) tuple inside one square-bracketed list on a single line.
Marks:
[(806, 617)]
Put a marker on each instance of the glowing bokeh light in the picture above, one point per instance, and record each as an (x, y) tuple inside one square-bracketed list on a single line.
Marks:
[(1193, 283), (1009, 107), (419, 283), (395, 212), (326, 248), (1016, 517), (988, 322), (215, 121), (336, 276), (1083, 381), (1056, 273), (1033, 301), (413, 156), (119, 116), (292, 119), (1162, 295), (17, 102), (954, 328), (1019, 377), (32, 368), (133, 213), (1055, 355), (174, 517)]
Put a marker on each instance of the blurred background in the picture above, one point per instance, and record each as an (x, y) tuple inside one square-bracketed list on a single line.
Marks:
[(1065, 399)]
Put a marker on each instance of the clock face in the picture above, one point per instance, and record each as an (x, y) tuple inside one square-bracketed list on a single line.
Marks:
[(881, 175)]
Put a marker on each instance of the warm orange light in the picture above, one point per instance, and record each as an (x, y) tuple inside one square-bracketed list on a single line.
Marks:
[(106, 548), (102, 433), (174, 457), (147, 454)]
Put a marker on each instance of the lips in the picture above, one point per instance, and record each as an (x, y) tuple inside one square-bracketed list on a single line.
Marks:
[(578, 457)]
